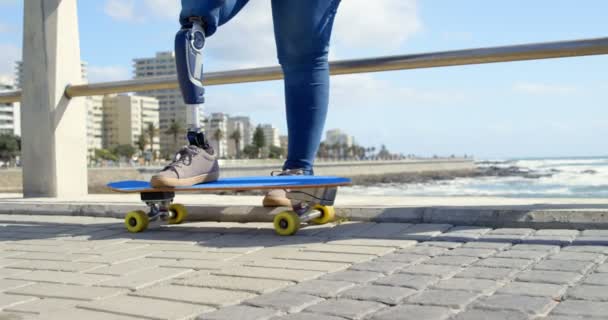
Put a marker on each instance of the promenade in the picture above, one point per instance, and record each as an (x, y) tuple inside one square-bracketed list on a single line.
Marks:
[(69, 267)]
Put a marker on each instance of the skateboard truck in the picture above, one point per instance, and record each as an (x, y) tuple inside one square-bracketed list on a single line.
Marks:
[(304, 202)]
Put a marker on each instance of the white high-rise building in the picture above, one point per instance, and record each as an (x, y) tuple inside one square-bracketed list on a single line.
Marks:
[(217, 127), (271, 136), (9, 114), (126, 118), (336, 136), (172, 107), (245, 129)]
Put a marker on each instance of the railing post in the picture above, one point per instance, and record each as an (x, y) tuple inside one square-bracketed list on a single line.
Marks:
[(53, 126)]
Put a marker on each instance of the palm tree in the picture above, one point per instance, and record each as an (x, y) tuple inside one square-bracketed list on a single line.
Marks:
[(175, 129), (218, 135), (236, 136), (142, 141), (152, 132)]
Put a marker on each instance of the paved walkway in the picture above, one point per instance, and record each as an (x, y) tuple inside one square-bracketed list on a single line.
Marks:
[(54, 267)]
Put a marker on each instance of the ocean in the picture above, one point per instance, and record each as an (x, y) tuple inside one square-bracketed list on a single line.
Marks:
[(559, 177)]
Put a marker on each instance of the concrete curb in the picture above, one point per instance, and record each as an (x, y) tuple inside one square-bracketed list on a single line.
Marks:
[(538, 217)]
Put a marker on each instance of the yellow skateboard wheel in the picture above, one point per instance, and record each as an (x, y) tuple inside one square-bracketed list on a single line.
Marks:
[(136, 221), (328, 214), (286, 223), (178, 212)]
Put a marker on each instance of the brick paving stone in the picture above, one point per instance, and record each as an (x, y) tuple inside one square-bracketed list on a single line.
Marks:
[(16, 316), (368, 250), (587, 248), (205, 296), (602, 268), (413, 312), (507, 239), (56, 265), (285, 301), (477, 314), (118, 257), (564, 265), (582, 308), (393, 243), (537, 306), (52, 256), (596, 241), (66, 291), (557, 232), (442, 244), (579, 256), (550, 240), (462, 261), (125, 268), (588, 292), (144, 278), (442, 271), (145, 307), (351, 309), (597, 279), (8, 284), (9, 300), (240, 312), (386, 267), (321, 288), (522, 254), (423, 250), (480, 244), (8, 272), (384, 294), (595, 232), (571, 317), (84, 314), (231, 283), (544, 276), (423, 232), (510, 231), (536, 247), (353, 276), (40, 248), (414, 281), (475, 285), (471, 252), (504, 263), (455, 299), (404, 258), (487, 273), (554, 291), (307, 316), (61, 277), (299, 265), (194, 264), (8, 262), (385, 230), (43, 306), (269, 273), (326, 256), (201, 255), (457, 236)]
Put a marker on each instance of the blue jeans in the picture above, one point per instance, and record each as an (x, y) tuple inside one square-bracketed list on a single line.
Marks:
[(302, 29)]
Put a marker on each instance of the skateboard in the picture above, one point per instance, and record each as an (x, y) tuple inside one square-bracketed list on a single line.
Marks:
[(312, 199)]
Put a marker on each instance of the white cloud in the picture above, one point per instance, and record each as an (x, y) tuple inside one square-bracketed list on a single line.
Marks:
[(108, 73), (122, 10), (385, 24), (9, 53), (544, 88)]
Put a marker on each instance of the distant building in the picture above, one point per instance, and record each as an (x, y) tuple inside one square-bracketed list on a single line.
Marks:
[(271, 136), (9, 114), (19, 73), (245, 128), (336, 136), (284, 142), (172, 107), (217, 123), (125, 119)]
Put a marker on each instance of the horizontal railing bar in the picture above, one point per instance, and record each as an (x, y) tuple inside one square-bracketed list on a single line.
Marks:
[(546, 50)]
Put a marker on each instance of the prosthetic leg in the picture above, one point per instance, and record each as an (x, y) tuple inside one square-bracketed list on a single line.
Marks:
[(189, 44)]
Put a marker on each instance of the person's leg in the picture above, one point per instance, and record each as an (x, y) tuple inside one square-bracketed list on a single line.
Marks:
[(214, 12), (302, 32)]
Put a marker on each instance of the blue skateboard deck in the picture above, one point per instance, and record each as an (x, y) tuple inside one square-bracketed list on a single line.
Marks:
[(240, 183)]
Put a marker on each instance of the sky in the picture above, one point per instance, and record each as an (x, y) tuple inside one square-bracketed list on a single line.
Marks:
[(543, 108)]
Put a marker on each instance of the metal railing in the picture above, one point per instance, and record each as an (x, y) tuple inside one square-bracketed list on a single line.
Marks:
[(523, 52)]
